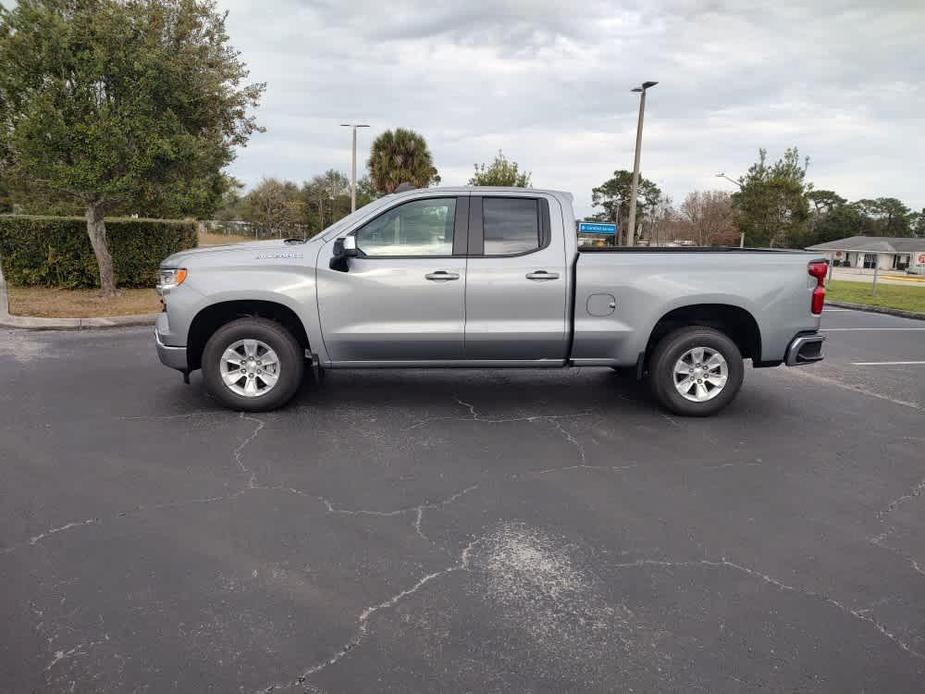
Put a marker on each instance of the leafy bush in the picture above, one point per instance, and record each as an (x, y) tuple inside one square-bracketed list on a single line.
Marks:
[(56, 251)]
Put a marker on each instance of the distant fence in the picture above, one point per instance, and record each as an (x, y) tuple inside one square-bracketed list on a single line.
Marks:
[(256, 231)]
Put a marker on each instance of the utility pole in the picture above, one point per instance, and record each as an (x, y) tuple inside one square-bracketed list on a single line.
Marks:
[(353, 174), (631, 231)]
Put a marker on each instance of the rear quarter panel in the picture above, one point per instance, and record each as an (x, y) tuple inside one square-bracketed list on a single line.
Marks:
[(773, 287)]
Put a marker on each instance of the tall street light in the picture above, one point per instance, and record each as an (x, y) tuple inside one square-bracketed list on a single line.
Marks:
[(353, 175), (631, 232), (731, 180)]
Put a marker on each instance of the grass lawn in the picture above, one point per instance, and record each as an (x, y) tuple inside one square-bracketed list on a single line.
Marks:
[(911, 298), (48, 302)]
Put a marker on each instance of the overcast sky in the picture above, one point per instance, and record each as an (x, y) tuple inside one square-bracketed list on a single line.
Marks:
[(548, 81)]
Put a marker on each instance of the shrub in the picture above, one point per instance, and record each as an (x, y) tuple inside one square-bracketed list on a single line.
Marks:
[(56, 251)]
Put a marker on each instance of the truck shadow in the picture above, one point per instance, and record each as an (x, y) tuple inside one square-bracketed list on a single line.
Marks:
[(486, 389)]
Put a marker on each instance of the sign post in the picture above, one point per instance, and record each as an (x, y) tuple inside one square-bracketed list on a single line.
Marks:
[(876, 270)]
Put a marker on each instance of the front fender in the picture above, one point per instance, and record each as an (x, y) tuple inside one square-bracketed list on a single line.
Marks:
[(292, 286)]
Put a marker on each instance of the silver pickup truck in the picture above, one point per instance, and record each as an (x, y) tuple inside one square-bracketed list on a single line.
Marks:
[(483, 278)]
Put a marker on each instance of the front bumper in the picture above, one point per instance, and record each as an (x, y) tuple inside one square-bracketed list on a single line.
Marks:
[(174, 357), (805, 348)]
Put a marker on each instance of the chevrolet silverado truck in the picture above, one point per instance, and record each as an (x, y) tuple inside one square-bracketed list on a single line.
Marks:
[(483, 278)]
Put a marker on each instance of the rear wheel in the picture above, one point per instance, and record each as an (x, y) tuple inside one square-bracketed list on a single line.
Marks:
[(696, 371), (252, 364)]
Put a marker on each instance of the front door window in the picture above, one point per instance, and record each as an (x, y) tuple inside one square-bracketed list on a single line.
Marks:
[(417, 229)]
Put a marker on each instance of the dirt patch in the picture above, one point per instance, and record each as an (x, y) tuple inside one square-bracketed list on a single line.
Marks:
[(209, 239), (49, 302)]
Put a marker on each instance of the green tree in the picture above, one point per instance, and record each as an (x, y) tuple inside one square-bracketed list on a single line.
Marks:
[(366, 191), (114, 102), (885, 217), (500, 172), (6, 202), (231, 204), (772, 204), (613, 196), (400, 156), (273, 206), (837, 222), (824, 201), (917, 223), (327, 199)]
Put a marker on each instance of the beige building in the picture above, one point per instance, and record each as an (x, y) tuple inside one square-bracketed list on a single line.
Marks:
[(882, 252)]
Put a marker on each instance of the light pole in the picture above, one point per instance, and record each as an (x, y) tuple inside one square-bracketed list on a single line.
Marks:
[(353, 175), (631, 231), (731, 180)]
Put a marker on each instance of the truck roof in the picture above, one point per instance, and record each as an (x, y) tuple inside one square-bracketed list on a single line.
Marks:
[(487, 189)]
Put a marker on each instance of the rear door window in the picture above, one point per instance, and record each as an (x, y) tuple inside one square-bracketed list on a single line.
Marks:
[(511, 225)]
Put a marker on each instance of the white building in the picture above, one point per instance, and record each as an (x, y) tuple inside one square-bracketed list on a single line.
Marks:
[(867, 252)]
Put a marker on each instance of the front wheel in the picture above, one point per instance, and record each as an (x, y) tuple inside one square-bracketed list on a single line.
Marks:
[(252, 364), (696, 371)]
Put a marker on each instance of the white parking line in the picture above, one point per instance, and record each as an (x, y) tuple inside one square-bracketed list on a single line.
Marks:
[(850, 330), (888, 363), (805, 373)]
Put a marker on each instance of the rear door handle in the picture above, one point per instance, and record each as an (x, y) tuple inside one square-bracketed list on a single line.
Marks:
[(542, 275), (441, 276)]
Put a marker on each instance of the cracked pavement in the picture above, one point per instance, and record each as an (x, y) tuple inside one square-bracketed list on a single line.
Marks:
[(457, 530)]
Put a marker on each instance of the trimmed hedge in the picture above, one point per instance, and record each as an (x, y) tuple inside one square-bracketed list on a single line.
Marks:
[(56, 251)]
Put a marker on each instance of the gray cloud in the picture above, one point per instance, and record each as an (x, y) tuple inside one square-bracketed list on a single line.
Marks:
[(549, 82)]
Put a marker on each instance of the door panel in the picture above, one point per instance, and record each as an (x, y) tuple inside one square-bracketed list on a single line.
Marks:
[(390, 306), (516, 304)]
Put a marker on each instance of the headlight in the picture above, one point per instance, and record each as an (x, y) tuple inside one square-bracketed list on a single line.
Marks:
[(168, 278)]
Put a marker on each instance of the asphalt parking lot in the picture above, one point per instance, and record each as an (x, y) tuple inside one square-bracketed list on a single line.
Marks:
[(462, 531)]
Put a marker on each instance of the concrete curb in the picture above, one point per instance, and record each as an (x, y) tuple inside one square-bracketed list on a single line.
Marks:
[(878, 309), (30, 323)]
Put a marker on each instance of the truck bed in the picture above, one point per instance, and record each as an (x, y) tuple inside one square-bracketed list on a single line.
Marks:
[(621, 293)]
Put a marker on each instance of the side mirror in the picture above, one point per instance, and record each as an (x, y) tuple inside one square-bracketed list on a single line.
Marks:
[(344, 248)]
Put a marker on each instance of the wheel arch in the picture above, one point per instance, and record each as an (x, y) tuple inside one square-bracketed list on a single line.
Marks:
[(734, 321), (214, 316)]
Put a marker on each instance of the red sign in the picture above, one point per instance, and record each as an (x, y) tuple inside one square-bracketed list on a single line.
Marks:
[(921, 260)]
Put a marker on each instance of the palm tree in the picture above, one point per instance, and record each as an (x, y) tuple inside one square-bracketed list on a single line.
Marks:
[(400, 156)]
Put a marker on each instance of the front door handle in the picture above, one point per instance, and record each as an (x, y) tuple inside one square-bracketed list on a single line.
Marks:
[(542, 275), (441, 276)]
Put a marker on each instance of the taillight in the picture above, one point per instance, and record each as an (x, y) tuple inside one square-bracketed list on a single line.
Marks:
[(818, 300), (818, 269)]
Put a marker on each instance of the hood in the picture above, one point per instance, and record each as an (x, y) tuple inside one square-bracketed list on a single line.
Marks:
[(249, 249)]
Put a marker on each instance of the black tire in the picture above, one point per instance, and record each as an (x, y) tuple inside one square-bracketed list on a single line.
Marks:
[(291, 363), (671, 348)]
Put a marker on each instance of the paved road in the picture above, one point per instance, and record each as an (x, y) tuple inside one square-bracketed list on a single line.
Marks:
[(445, 531)]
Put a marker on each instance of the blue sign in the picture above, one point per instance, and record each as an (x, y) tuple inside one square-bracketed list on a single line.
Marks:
[(597, 228)]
